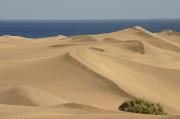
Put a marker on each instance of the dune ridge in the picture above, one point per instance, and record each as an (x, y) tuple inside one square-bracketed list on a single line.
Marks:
[(157, 40), (72, 59)]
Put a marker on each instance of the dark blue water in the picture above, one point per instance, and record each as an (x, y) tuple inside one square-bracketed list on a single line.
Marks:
[(35, 29)]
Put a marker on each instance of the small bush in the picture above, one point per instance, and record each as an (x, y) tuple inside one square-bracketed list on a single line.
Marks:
[(141, 106)]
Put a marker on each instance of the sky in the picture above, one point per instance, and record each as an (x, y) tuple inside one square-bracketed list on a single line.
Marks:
[(88, 9)]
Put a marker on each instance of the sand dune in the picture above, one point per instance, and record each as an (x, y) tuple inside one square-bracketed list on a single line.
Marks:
[(141, 34), (89, 76)]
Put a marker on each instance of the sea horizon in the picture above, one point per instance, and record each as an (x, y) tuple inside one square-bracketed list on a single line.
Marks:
[(48, 28)]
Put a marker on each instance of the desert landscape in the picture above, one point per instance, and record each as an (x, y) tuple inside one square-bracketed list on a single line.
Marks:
[(89, 76)]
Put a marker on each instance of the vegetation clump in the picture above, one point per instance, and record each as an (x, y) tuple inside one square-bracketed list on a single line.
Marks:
[(141, 106)]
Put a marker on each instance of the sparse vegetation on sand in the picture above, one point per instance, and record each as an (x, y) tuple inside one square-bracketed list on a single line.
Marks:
[(142, 106)]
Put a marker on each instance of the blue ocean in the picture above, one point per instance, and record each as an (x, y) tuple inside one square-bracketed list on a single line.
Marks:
[(37, 29)]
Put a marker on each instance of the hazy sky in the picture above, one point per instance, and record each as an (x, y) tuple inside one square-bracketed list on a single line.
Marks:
[(89, 9)]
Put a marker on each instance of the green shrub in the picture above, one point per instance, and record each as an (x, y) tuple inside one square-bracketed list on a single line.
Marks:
[(141, 106)]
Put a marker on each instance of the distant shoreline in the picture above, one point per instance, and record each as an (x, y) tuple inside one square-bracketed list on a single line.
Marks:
[(48, 28)]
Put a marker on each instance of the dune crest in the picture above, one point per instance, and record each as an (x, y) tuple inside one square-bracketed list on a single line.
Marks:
[(84, 108)]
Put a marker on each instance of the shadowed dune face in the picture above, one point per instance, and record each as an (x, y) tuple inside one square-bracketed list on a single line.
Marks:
[(133, 45), (83, 38), (97, 49), (27, 96), (89, 76), (11, 96)]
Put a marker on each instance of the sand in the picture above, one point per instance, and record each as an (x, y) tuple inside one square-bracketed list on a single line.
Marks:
[(89, 76)]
